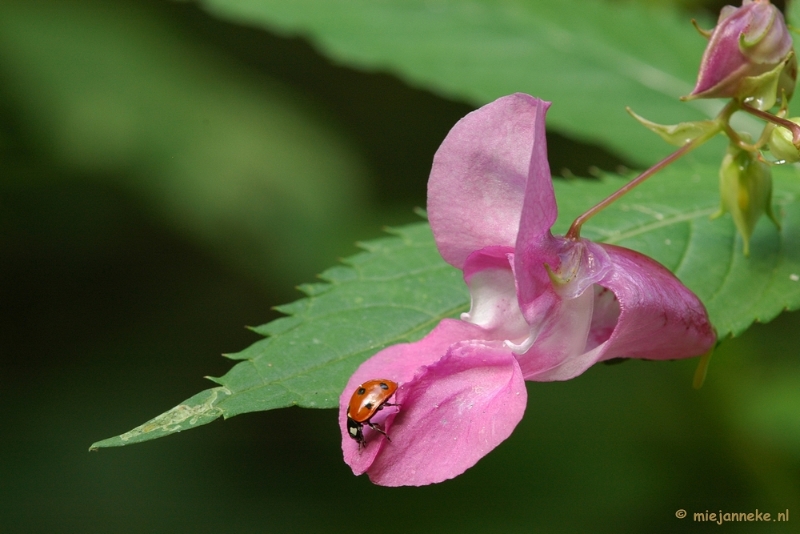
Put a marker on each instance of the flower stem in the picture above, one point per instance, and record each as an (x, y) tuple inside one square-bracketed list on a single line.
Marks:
[(722, 119), (574, 231), (774, 119)]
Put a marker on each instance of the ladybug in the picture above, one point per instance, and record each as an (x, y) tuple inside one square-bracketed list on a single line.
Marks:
[(367, 400)]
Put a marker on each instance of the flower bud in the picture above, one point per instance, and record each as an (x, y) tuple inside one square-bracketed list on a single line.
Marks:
[(749, 56), (746, 191), (781, 146)]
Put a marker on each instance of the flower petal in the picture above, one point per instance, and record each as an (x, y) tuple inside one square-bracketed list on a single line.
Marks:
[(660, 318), (452, 414), (555, 280), (638, 309), (539, 209), (479, 176), (398, 363), (535, 246)]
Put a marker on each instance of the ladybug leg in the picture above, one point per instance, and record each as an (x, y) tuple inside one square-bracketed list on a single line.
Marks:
[(386, 404), (379, 429)]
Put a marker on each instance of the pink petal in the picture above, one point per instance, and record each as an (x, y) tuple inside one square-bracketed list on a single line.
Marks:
[(535, 245), (398, 363), (539, 209), (660, 318), (557, 304), (637, 309), (452, 414), (479, 175)]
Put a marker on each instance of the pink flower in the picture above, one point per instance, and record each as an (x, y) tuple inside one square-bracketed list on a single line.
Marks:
[(543, 307)]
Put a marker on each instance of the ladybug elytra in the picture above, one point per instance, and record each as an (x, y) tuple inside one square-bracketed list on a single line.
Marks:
[(367, 400)]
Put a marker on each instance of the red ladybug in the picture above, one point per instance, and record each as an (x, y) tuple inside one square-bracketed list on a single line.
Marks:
[(368, 398)]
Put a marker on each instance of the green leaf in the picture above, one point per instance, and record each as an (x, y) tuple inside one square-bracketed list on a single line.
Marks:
[(399, 288), (395, 291), (793, 13), (591, 58)]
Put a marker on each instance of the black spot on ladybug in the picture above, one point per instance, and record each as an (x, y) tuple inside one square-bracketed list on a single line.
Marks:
[(368, 406)]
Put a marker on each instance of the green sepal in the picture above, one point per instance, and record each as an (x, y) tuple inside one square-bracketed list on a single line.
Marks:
[(681, 133), (763, 91), (701, 31)]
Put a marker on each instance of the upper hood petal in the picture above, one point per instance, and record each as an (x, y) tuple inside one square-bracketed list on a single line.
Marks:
[(479, 177), (535, 246)]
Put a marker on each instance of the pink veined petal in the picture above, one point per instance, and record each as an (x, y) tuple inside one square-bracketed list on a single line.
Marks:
[(582, 264), (535, 245), (558, 305), (659, 317), (539, 211), (637, 310), (479, 175), (452, 414), (398, 363)]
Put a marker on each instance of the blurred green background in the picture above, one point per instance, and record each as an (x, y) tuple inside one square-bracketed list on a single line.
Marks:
[(166, 178)]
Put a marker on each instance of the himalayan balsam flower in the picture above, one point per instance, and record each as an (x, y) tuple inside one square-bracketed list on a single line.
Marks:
[(749, 56), (543, 307)]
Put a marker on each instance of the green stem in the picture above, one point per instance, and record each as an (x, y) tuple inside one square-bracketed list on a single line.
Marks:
[(722, 119), (574, 231)]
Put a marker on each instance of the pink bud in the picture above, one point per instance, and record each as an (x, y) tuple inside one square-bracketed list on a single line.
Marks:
[(748, 42)]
